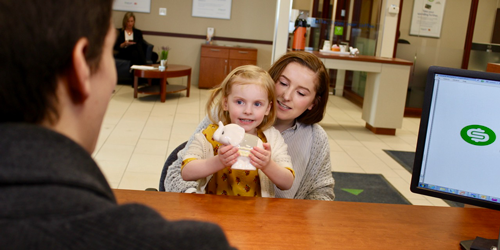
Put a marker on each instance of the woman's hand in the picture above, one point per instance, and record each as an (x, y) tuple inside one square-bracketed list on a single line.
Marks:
[(126, 44), (228, 155), (260, 157)]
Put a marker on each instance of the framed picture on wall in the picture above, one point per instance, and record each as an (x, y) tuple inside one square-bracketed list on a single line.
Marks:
[(220, 9), (133, 6), (427, 18)]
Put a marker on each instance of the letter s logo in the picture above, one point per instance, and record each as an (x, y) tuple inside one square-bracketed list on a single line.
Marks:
[(478, 135)]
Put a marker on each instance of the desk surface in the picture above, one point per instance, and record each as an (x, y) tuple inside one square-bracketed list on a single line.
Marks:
[(267, 223)]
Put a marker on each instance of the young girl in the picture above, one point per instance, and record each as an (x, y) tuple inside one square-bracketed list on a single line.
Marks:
[(246, 97)]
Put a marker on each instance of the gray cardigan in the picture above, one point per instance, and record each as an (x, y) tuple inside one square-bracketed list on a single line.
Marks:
[(53, 196)]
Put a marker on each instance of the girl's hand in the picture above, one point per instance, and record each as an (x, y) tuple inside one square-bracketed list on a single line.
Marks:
[(228, 155), (260, 157)]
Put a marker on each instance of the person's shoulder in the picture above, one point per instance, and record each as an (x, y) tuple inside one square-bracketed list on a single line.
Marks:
[(319, 133), (271, 130), (317, 128), (271, 134)]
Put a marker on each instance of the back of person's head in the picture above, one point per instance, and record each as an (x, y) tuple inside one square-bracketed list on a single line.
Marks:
[(127, 16), (247, 74), (38, 37), (322, 83)]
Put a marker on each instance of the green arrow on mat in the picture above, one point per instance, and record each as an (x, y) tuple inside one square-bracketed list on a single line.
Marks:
[(353, 191)]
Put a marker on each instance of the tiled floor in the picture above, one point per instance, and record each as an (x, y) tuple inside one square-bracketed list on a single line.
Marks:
[(138, 135)]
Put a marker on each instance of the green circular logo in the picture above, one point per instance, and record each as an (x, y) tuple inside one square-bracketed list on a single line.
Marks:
[(478, 135)]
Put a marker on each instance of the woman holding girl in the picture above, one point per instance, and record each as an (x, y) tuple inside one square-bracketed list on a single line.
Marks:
[(245, 98), (301, 89)]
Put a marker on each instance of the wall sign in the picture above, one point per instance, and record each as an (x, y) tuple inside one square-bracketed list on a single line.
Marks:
[(133, 5), (427, 18), (220, 9)]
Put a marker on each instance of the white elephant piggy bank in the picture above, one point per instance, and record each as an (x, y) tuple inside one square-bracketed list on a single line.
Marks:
[(235, 135)]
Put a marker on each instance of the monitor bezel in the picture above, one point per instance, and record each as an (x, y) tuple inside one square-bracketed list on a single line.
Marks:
[(424, 120)]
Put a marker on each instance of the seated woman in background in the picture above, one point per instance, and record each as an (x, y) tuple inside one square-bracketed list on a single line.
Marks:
[(130, 41), (301, 84)]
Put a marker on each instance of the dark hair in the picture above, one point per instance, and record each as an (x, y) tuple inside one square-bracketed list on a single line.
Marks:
[(125, 19), (322, 83), (38, 37)]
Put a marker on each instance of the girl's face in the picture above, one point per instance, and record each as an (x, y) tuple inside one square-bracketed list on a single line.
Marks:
[(247, 105), (295, 92)]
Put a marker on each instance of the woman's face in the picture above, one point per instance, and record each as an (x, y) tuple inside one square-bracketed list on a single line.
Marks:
[(295, 91), (130, 22)]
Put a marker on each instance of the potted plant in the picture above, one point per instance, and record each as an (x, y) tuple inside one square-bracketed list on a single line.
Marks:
[(164, 55)]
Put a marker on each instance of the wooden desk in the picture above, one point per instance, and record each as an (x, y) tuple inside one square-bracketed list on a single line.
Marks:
[(172, 70), (267, 223), (386, 87)]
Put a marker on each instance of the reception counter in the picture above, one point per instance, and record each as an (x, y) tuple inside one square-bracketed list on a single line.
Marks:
[(272, 223), (386, 87)]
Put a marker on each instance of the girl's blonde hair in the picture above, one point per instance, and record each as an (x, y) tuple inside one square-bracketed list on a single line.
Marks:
[(247, 74)]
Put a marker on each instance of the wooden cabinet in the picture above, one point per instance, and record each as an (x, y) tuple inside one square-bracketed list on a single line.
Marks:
[(217, 61)]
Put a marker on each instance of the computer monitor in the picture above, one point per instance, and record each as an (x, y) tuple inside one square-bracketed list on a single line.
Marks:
[(458, 149)]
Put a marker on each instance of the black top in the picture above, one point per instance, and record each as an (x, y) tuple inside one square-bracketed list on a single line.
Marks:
[(135, 53), (54, 196), (121, 38)]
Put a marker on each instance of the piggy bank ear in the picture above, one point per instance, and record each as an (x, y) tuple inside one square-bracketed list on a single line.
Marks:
[(221, 125)]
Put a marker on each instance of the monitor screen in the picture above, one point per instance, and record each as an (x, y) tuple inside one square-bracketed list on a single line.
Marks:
[(458, 148)]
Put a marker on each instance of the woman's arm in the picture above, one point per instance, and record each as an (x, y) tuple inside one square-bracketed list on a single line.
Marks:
[(173, 180), (138, 38), (319, 182)]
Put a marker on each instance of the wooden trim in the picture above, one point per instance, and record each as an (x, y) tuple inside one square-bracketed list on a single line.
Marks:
[(381, 131), (413, 112), (216, 38), (353, 97), (470, 33)]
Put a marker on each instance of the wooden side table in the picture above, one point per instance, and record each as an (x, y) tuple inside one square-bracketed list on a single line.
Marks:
[(172, 70)]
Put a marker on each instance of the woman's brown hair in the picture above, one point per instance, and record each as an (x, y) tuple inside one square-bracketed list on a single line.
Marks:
[(322, 82)]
